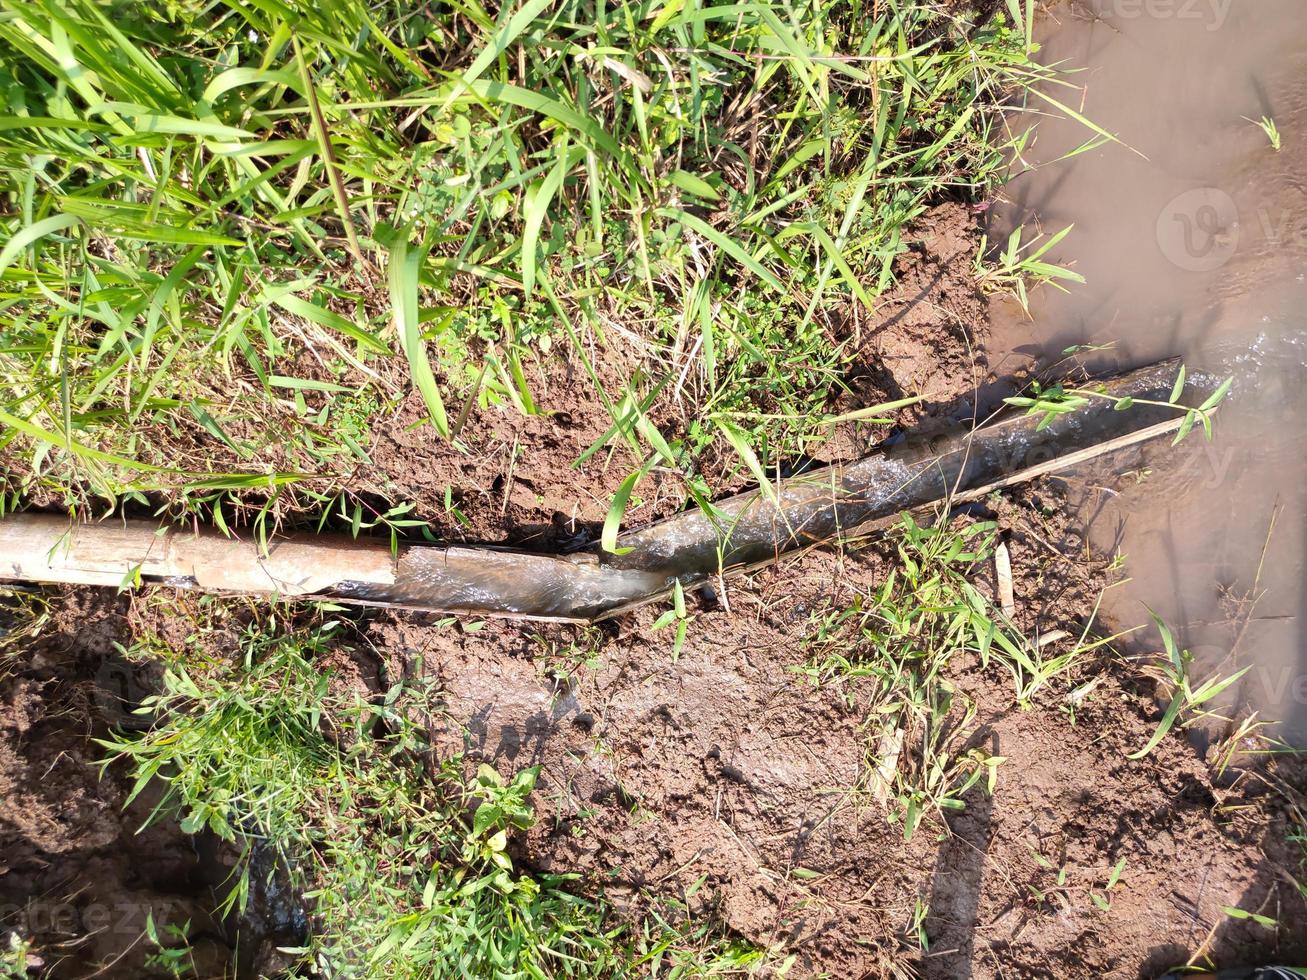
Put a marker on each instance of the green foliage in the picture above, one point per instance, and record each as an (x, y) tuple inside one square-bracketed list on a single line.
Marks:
[(16, 958), (1017, 269), (171, 954), (1267, 125), (405, 865), (1054, 400), (1174, 669), (895, 646), (201, 198)]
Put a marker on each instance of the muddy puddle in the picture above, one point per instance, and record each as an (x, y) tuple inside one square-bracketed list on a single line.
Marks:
[(1193, 243)]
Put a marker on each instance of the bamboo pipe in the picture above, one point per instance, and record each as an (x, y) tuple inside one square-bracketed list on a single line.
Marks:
[(752, 529)]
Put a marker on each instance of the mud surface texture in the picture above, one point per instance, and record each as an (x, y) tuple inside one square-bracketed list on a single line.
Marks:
[(726, 770), (77, 875)]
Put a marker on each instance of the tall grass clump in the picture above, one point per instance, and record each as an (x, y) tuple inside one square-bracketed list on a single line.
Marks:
[(236, 234)]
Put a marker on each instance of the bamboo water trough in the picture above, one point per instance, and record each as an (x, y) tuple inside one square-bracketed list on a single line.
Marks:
[(748, 530)]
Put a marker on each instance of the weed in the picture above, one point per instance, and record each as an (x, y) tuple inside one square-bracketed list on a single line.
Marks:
[(1298, 835), (1018, 273), (405, 865), (1265, 921), (678, 615), (24, 613), (1057, 400), (16, 958), (1103, 900), (1174, 669), (173, 956), (1267, 125), (917, 924), (895, 645), (1057, 894)]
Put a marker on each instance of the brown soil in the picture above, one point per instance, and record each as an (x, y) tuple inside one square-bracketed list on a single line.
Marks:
[(76, 873), (725, 766)]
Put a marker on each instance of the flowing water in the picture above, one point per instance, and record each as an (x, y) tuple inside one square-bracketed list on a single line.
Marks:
[(1193, 242)]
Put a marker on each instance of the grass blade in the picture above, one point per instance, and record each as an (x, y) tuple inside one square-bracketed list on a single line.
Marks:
[(616, 510), (329, 157), (403, 273)]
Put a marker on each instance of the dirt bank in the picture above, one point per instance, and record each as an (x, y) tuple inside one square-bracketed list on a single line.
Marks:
[(76, 876)]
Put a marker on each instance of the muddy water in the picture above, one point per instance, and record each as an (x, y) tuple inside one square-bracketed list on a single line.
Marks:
[(1193, 242)]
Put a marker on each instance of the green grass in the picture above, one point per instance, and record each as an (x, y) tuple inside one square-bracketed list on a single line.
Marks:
[(403, 863), (896, 651), (1174, 668), (236, 234)]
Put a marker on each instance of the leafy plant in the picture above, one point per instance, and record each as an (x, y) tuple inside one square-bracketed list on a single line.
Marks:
[(172, 952), (1265, 921), (1018, 272), (404, 865), (895, 644), (1058, 400), (917, 926), (1103, 900), (16, 958), (1267, 125), (1174, 669), (503, 807), (678, 615)]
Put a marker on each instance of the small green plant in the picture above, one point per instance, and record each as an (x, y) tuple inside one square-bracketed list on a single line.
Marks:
[(1265, 921), (1055, 895), (171, 953), (1174, 669), (16, 958), (895, 645), (1103, 900), (1057, 400), (917, 924), (503, 807), (1298, 835), (1267, 125), (1018, 272), (678, 615)]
